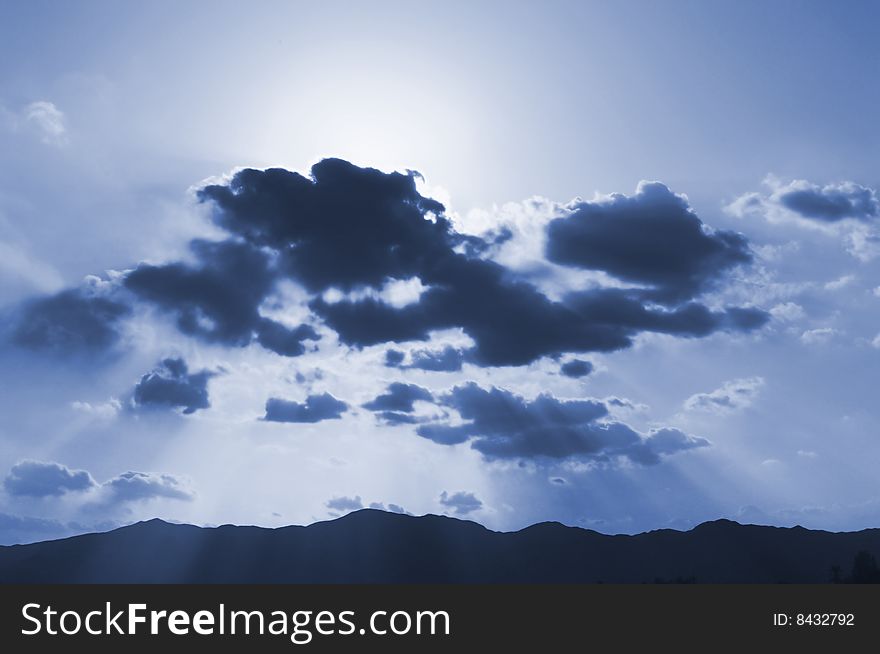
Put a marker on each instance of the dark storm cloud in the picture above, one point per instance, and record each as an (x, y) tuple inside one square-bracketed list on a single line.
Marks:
[(400, 397), (461, 502), (576, 368), (45, 479), (831, 203), (652, 238), (171, 385), (502, 425), (137, 486), (315, 409), (72, 321)]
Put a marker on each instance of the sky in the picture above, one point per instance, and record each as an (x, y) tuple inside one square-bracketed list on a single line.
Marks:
[(613, 264)]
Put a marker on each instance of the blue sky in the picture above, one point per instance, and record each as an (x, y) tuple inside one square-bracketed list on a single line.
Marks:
[(681, 195)]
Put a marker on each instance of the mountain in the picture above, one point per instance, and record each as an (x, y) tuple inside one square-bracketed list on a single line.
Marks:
[(377, 547)]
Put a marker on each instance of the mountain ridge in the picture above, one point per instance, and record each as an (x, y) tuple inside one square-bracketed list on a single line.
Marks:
[(373, 546)]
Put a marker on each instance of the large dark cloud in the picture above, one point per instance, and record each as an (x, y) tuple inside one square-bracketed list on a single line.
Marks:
[(171, 385), (45, 479), (502, 425), (315, 409), (69, 322), (349, 228), (831, 203), (345, 227), (652, 238)]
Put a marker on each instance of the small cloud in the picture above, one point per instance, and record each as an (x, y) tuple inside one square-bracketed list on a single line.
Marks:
[(391, 508), (807, 454), (876, 342), (732, 396), (315, 409), (47, 120), (839, 283), (139, 486), (818, 336), (576, 368), (559, 481), (400, 397), (393, 358), (45, 479), (788, 312), (461, 503), (170, 385), (845, 209), (103, 411), (345, 504)]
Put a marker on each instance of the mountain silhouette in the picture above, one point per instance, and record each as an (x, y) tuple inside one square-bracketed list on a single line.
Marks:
[(371, 546)]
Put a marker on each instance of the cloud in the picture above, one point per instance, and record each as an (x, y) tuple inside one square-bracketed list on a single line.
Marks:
[(218, 299), (400, 397), (818, 336), (103, 411), (502, 425), (282, 340), (47, 120), (732, 396), (348, 229), (140, 486), (461, 502), (45, 479), (392, 508), (74, 321), (829, 203), (393, 358), (848, 209), (345, 504), (449, 359), (576, 368), (171, 385), (652, 238), (788, 312), (380, 264), (397, 404), (315, 409)]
